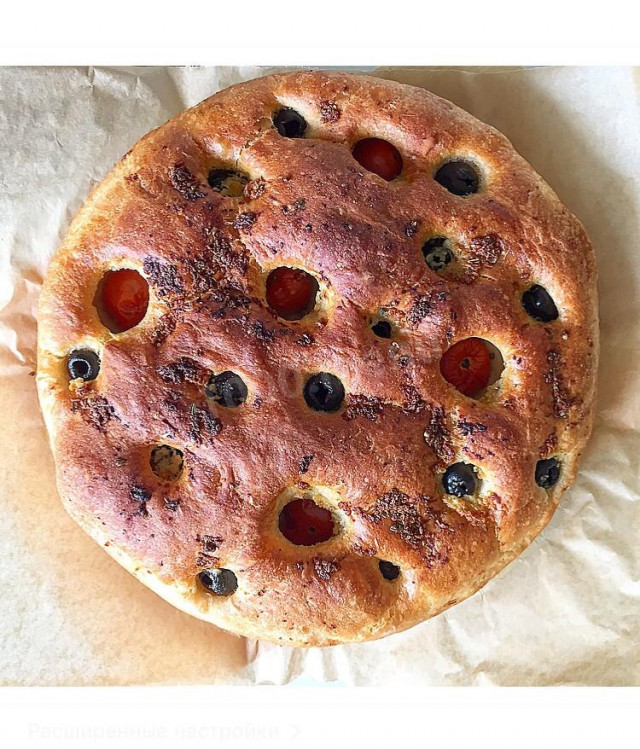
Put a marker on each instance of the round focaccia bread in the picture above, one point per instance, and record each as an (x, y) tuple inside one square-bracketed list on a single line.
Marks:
[(317, 358)]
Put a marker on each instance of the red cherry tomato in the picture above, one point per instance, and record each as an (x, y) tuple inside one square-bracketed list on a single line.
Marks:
[(379, 157), (305, 523), (125, 297), (291, 293), (467, 365)]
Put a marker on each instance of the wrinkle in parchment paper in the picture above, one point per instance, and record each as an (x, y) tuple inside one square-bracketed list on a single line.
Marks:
[(565, 612)]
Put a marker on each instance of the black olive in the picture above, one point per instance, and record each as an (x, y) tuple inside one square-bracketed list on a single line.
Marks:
[(547, 472), (324, 392), (83, 364), (539, 304), (436, 253), (218, 581), (166, 462), (459, 177), (388, 570), (289, 123), (227, 182), (227, 389), (382, 329), (459, 480)]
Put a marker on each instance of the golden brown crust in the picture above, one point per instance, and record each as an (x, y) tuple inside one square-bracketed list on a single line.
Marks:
[(377, 463)]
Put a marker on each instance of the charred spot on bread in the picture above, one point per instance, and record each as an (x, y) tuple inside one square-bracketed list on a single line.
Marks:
[(363, 406), (244, 221), (93, 408), (203, 424), (185, 182), (164, 277), (304, 463)]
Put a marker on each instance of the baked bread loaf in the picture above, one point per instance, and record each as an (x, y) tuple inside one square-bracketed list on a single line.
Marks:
[(317, 358)]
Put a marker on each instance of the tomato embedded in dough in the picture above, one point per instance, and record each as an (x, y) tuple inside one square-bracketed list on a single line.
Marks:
[(304, 523), (125, 297), (291, 292), (467, 366), (378, 156)]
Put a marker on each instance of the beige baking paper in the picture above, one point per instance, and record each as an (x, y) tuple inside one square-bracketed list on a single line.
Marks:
[(566, 612)]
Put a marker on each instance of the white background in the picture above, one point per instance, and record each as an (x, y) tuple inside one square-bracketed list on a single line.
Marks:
[(460, 33)]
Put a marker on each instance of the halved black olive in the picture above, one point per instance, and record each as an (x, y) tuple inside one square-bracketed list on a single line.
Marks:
[(437, 254), (324, 392), (388, 570), (227, 182), (459, 177), (227, 389), (382, 329), (83, 364), (166, 462), (460, 480), (539, 304), (220, 582), (289, 123), (547, 472)]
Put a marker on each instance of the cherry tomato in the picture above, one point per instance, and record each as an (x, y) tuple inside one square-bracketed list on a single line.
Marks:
[(378, 156), (467, 365), (305, 523), (291, 293), (125, 297)]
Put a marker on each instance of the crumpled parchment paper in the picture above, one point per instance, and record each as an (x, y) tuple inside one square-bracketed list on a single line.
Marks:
[(566, 612)]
